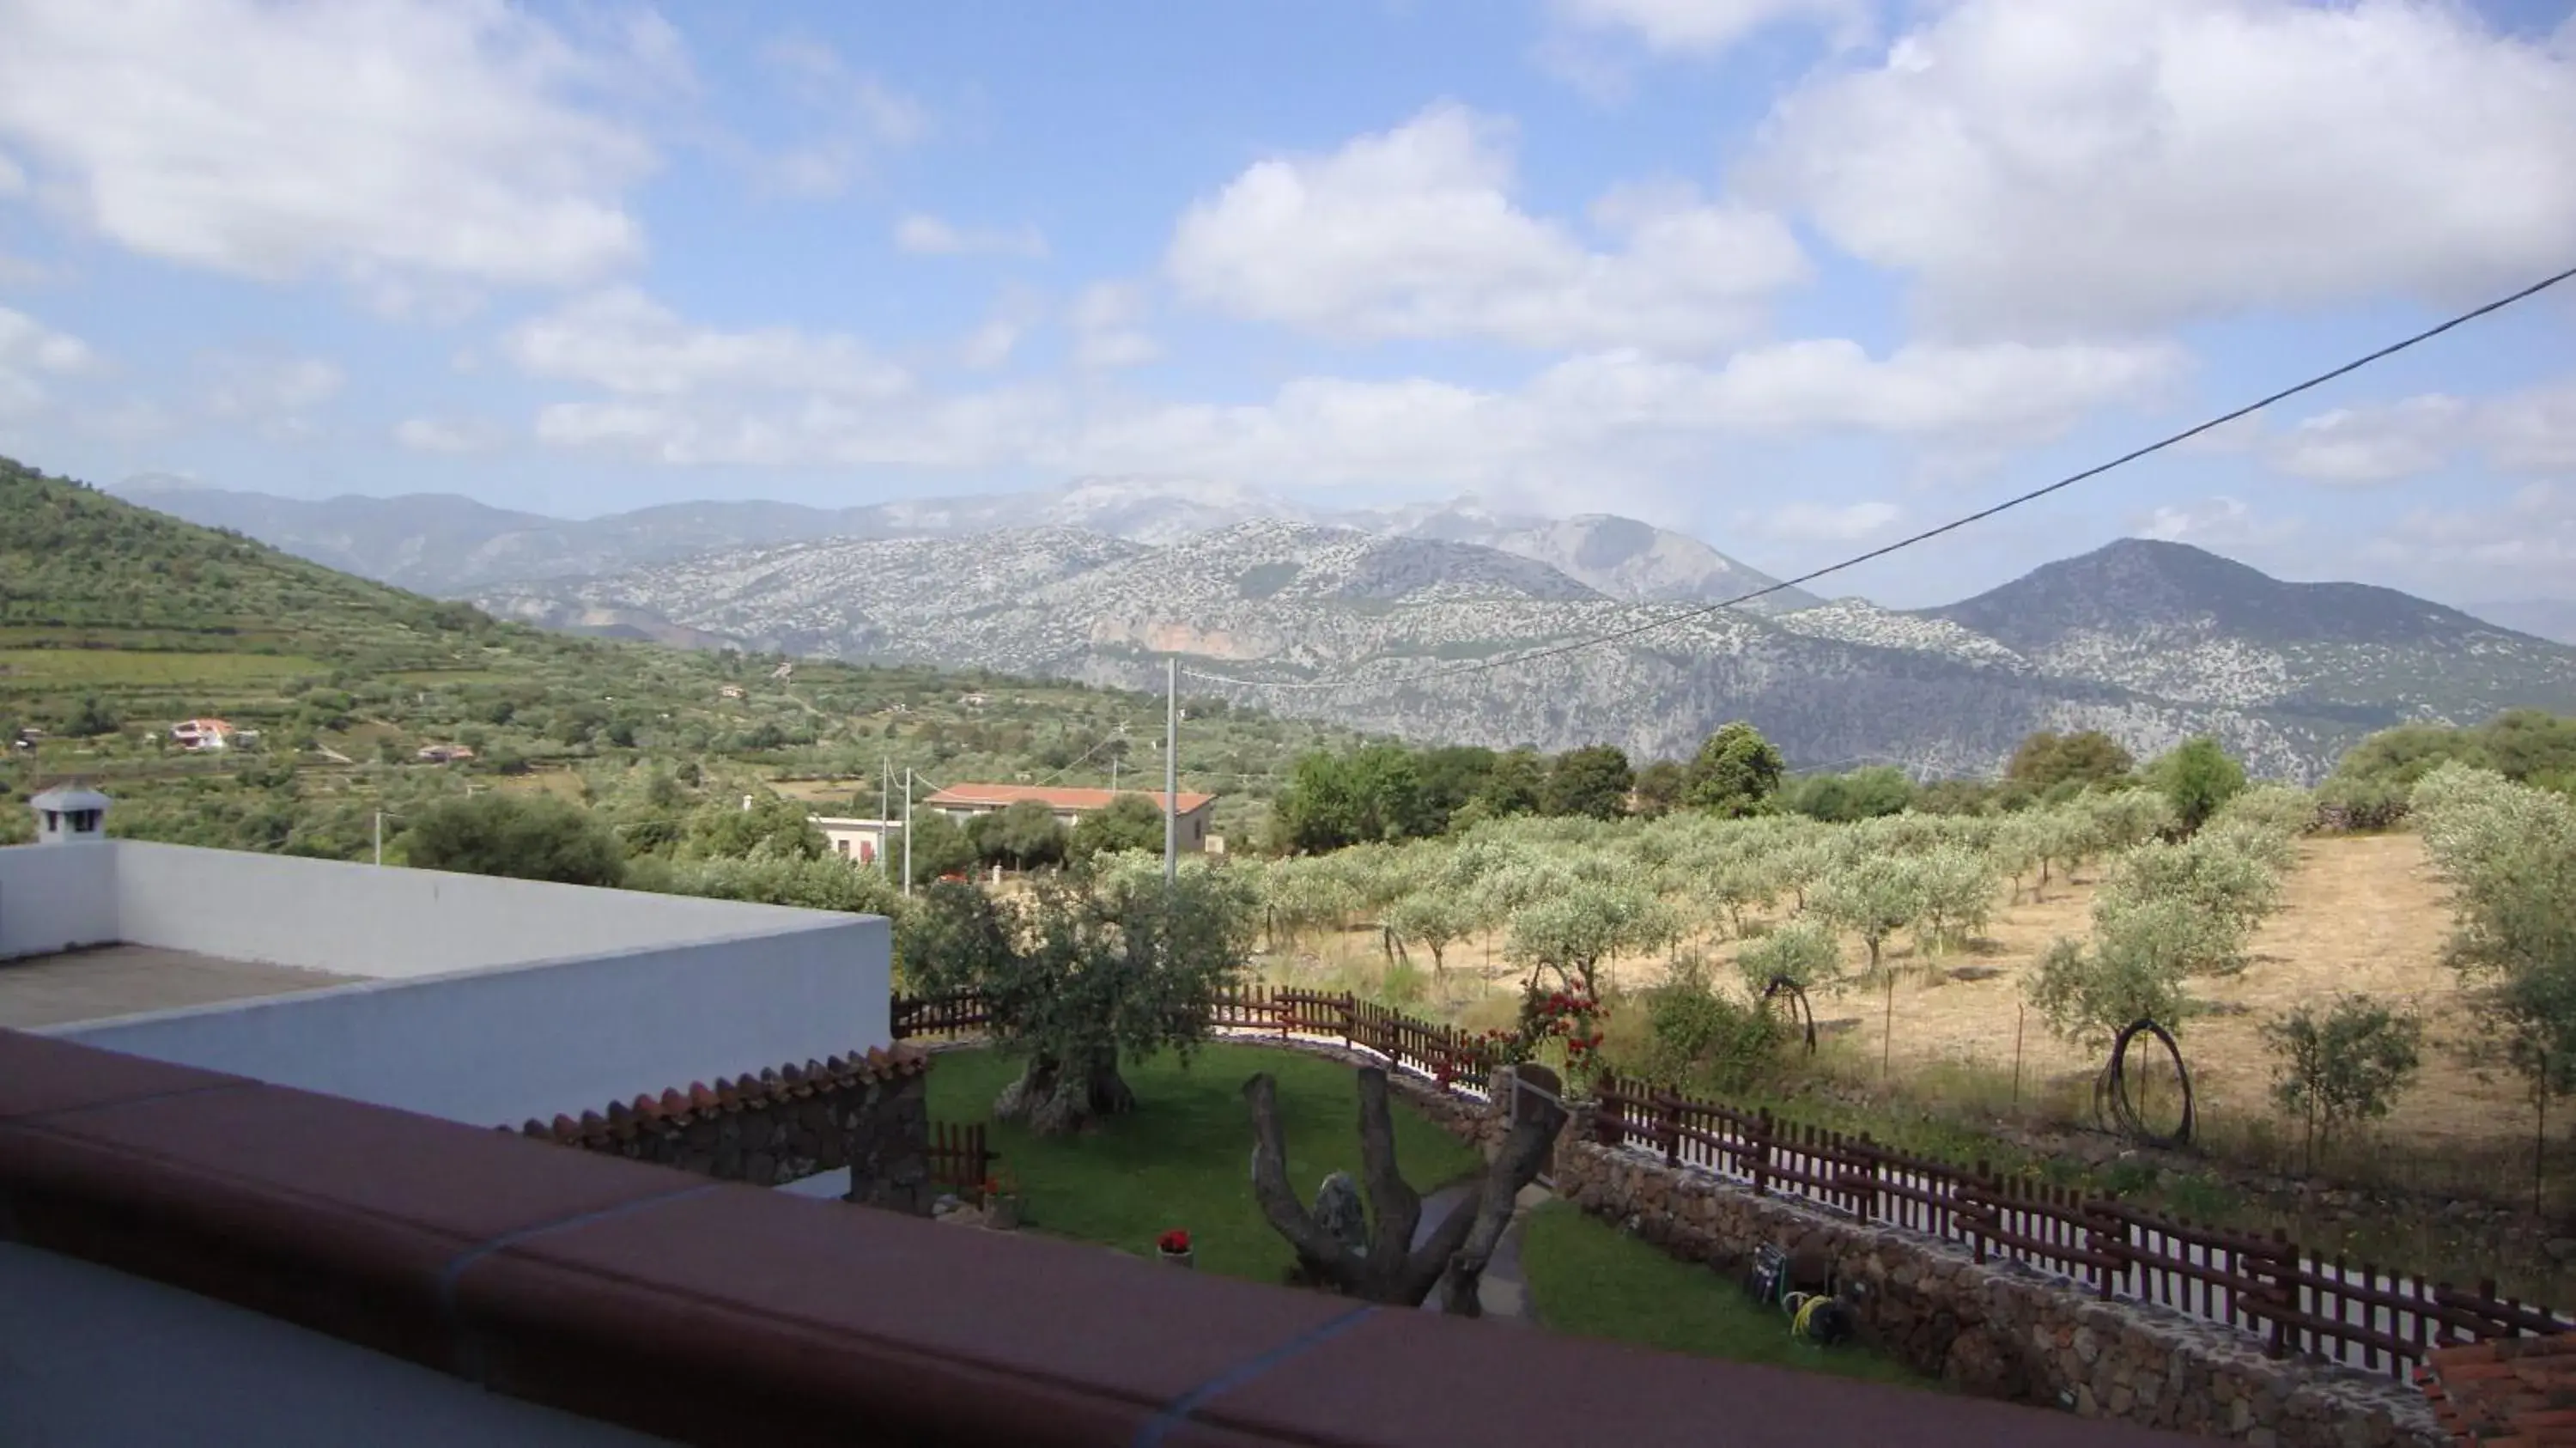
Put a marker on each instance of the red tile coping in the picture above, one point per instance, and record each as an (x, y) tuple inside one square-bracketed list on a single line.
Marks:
[(714, 1313), (675, 1107), (2513, 1392)]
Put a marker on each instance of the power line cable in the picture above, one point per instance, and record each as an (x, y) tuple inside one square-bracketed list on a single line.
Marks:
[(1705, 610)]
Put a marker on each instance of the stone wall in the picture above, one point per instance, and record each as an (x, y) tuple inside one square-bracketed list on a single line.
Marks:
[(2001, 1329), (868, 1113)]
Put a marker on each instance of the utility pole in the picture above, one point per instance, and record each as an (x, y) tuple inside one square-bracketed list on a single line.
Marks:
[(885, 797), (380, 839), (907, 830), (1171, 769)]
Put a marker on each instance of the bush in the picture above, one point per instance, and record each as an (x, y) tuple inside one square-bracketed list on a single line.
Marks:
[(2343, 1067), (533, 837), (1703, 1039)]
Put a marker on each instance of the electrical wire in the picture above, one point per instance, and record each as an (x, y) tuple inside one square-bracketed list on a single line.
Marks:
[(2035, 494)]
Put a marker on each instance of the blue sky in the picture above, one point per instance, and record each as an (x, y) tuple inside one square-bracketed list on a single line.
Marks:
[(1796, 276)]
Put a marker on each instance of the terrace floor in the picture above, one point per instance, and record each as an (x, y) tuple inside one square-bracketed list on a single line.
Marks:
[(103, 981)]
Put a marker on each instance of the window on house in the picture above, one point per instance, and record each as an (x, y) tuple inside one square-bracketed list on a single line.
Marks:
[(841, 845)]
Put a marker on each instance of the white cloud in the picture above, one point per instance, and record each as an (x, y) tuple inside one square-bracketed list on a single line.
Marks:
[(1618, 416), (2533, 530), (2041, 168), (991, 344), (625, 342), (250, 385), (1106, 331), (270, 392), (423, 434), (30, 353), (1825, 522), (2217, 522), (925, 235), (1994, 393), (2376, 445), (376, 138), (966, 431), (2532, 430), (858, 116), (1703, 26), (1413, 233)]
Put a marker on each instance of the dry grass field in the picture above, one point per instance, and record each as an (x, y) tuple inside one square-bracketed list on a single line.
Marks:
[(2360, 913)]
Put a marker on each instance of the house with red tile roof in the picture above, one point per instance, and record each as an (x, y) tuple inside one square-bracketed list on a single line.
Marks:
[(965, 801)]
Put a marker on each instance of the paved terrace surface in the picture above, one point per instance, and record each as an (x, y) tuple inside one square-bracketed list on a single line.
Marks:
[(711, 1313), (104, 981)]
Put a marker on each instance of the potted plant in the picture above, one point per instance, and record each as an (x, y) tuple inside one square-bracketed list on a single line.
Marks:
[(1001, 1202), (1174, 1247)]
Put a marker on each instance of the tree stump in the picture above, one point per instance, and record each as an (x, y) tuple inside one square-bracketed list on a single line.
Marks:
[(1389, 1268)]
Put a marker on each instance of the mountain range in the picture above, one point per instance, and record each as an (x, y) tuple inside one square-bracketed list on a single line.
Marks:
[(1450, 622), (447, 545)]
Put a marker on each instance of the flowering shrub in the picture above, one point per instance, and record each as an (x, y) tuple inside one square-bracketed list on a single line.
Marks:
[(1174, 1242)]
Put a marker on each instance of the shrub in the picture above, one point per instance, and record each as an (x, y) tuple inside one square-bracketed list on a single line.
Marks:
[(1700, 1038), (2341, 1067)]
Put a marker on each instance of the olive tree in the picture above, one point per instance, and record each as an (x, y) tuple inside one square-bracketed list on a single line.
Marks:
[(2508, 852), (1433, 920), (1954, 894), (1083, 973), (1872, 898), (2341, 1066), (1800, 952), (1572, 933)]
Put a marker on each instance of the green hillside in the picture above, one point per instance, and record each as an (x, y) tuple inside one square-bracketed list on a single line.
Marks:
[(117, 621)]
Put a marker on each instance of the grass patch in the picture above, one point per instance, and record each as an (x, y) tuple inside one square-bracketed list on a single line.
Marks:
[(1588, 1279), (1183, 1158), (115, 667)]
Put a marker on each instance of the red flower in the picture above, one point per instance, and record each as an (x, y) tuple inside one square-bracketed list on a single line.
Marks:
[(1175, 1241)]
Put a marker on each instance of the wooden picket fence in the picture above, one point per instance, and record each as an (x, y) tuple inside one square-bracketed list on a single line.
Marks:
[(2296, 1301), (959, 1157)]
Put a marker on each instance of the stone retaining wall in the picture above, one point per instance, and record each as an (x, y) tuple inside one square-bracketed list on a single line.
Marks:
[(2002, 1329)]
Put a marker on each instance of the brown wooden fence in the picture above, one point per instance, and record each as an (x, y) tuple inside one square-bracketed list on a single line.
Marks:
[(958, 1156), (2295, 1300)]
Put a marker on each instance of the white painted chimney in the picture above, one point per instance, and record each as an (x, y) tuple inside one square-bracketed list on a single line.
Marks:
[(69, 814)]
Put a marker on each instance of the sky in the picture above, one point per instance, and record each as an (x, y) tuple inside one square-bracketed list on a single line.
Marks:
[(1795, 276)]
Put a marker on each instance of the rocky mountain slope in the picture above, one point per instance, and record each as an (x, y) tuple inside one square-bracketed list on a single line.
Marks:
[(1435, 639), (443, 544)]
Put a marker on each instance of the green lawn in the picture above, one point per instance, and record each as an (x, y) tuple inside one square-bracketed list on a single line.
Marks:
[(1587, 1278), (1183, 1159)]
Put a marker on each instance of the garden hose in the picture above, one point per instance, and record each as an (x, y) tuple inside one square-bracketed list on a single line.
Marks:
[(1814, 1317)]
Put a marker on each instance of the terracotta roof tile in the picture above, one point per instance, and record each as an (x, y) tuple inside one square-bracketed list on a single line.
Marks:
[(2504, 1391), (965, 796), (789, 1082)]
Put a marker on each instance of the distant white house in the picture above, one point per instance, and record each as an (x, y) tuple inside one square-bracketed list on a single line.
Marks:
[(859, 841), (203, 734)]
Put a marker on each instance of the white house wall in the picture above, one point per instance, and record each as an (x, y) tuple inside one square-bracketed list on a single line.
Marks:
[(392, 923), (499, 1046), (53, 897)]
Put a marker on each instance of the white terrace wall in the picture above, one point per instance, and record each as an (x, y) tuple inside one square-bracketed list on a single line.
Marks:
[(495, 1000), (393, 923), (53, 897), (499, 1046)]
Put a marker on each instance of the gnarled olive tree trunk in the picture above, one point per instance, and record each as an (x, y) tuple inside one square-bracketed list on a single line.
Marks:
[(1058, 1097), (1393, 1270)]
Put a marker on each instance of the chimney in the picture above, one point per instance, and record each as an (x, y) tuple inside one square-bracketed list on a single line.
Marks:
[(69, 814)]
